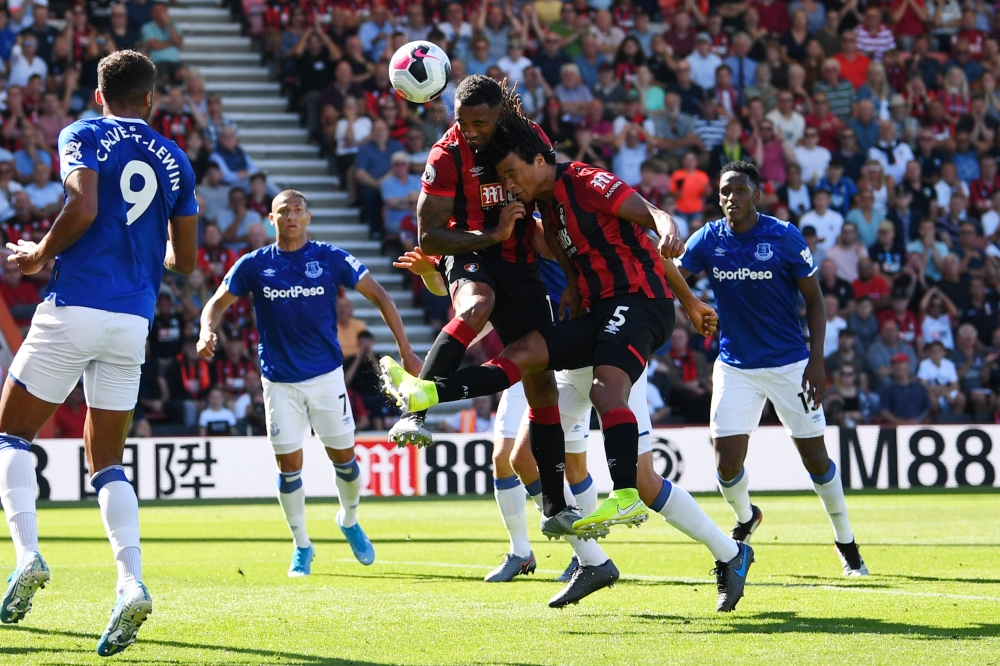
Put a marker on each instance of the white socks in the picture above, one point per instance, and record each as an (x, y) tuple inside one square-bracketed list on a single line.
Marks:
[(587, 551), (348, 478), (17, 494), (120, 511), (831, 493), (680, 510), (736, 493), (292, 498), (510, 495)]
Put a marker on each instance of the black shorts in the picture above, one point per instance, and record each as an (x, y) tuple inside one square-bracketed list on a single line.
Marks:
[(621, 331), (521, 303)]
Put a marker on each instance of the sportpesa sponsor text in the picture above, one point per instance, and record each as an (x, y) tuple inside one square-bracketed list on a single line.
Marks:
[(293, 292), (741, 274)]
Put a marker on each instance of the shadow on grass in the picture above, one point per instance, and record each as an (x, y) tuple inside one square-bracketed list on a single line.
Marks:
[(279, 656), (426, 577), (789, 622)]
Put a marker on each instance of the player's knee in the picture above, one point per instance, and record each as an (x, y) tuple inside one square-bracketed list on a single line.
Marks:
[(530, 354), (606, 397), (540, 389), (521, 459), (474, 309), (289, 463), (502, 458)]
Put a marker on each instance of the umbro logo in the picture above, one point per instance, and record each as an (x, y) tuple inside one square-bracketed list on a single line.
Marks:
[(475, 171), (611, 328), (719, 251), (268, 272)]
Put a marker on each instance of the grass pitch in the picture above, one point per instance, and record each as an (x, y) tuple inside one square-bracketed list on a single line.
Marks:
[(221, 596)]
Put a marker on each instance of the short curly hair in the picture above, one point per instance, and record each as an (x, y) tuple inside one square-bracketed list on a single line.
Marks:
[(744, 167), (478, 89), (126, 77)]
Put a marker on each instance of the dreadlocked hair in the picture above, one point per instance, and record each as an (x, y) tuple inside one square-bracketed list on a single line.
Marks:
[(515, 132)]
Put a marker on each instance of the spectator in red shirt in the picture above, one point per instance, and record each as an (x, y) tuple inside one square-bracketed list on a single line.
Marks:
[(901, 314), (969, 33), (828, 124), (773, 15), (173, 120), (908, 19), (21, 297), (981, 189), (872, 285), (214, 259), (71, 416), (853, 64)]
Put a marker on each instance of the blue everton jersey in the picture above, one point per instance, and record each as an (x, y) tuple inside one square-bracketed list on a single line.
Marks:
[(295, 300), (142, 181), (754, 276)]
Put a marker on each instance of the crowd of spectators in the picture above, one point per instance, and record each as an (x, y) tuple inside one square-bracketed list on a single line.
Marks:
[(874, 125)]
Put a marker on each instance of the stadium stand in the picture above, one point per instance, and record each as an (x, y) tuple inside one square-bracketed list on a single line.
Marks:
[(876, 132)]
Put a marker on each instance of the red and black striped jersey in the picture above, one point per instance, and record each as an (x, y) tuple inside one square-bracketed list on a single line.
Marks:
[(612, 256), (455, 170)]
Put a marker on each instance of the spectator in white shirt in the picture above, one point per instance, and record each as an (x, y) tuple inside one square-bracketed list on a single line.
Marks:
[(834, 325), (812, 157), (890, 153), (788, 123), (46, 196), (216, 419), (939, 375), (25, 61), (703, 62), (514, 63), (608, 35), (826, 221)]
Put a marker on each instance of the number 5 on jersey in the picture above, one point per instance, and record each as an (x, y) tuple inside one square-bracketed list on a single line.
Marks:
[(141, 198)]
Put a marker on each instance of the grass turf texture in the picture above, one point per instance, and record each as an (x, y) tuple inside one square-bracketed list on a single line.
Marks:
[(221, 596)]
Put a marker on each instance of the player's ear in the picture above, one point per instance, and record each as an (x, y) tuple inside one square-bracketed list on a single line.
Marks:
[(98, 97)]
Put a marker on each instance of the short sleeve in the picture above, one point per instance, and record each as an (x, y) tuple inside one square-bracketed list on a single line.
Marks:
[(238, 280), (440, 177), (77, 150), (346, 268), (798, 255), (187, 203), (694, 257), (601, 191)]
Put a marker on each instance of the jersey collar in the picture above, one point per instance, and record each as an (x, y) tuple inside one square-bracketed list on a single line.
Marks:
[(126, 120)]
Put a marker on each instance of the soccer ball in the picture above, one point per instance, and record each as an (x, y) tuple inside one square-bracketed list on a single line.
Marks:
[(419, 71)]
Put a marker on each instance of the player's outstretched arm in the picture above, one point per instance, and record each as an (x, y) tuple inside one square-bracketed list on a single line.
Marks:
[(374, 292), (703, 317), (74, 220), (814, 377), (637, 210), (423, 266), (211, 317), (182, 244), (434, 213)]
